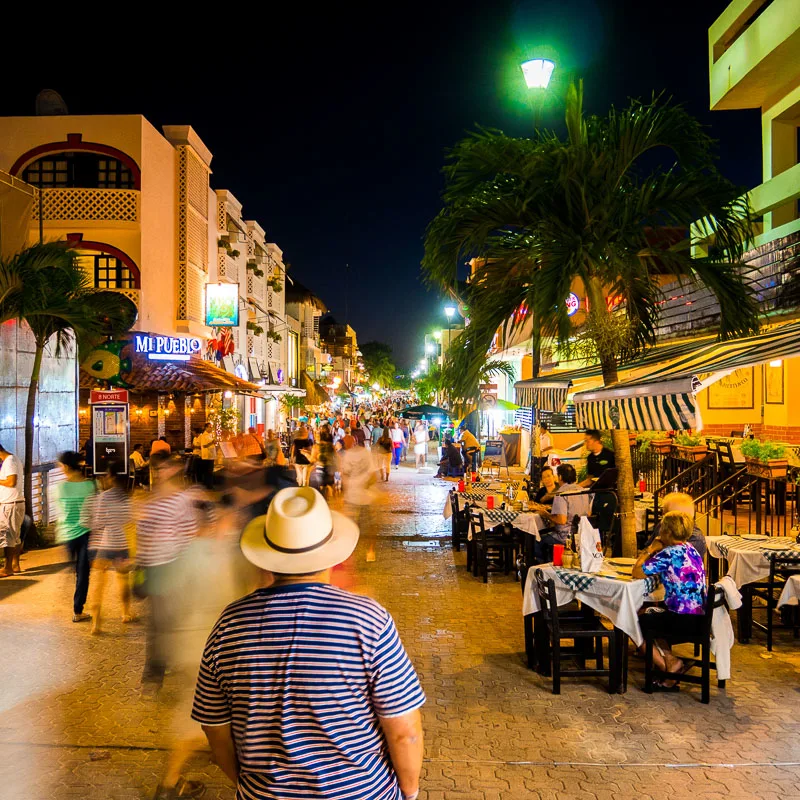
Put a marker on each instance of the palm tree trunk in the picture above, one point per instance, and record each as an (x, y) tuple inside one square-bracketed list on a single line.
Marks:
[(622, 455), (30, 413)]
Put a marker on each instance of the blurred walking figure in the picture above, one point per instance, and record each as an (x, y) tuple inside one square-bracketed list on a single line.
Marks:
[(166, 526), (71, 495), (110, 518), (301, 452), (358, 477), (398, 443), (208, 455), (421, 444), (305, 691), (12, 511), (383, 449), (210, 574), (271, 449)]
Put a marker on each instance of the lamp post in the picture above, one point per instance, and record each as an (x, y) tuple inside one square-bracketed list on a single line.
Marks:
[(449, 313), (537, 73)]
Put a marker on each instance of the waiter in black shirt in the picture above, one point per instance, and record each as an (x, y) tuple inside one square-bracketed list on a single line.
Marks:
[(599, 459)]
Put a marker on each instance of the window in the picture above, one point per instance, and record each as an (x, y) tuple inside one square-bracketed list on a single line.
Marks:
[(78, 170), (111, 273)]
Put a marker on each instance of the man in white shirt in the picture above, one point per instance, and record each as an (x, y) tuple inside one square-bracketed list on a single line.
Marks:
[(12, 511)]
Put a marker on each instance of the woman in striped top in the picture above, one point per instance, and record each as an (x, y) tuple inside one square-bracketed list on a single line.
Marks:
[(110, 519)]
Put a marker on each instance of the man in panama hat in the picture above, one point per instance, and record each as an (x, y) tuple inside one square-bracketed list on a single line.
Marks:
[(305, 690)]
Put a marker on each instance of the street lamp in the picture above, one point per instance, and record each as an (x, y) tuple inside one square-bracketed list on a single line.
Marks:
[(537, 72)]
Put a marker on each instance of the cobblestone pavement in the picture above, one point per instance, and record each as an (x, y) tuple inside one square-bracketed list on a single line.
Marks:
[(74, 724)]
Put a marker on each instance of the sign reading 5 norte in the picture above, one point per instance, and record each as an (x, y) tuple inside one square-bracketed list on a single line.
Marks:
[(166, 348)]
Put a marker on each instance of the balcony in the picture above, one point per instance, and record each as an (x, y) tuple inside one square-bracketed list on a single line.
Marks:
[(134, 295), (753, 50), (257, 289), (227, 267), (255, 346), (82, 205)]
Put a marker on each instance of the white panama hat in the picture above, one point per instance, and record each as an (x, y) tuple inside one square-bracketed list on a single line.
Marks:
[(299, 534)]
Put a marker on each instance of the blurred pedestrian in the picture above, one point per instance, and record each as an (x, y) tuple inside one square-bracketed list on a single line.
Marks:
[(110, 518), (166, 525), (12, 511), (71, 495), (301, 452), (305, 690), (421, 444), (252, 447), (358, 478), (208, 456), (271, 449), (383, 452), (160, 445)]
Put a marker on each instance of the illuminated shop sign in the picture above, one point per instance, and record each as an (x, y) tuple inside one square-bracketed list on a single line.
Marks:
[(166, 348), (573, 303)]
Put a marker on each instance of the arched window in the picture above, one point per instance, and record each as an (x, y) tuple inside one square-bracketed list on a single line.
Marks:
[(112, 273), (78, 170)]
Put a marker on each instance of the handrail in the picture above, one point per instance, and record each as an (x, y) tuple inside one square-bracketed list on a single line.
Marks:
[(717, 486), (693, 468)]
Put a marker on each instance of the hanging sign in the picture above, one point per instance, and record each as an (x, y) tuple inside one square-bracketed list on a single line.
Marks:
[(573, 303), (222, 305), (108, 396), (166, 348)]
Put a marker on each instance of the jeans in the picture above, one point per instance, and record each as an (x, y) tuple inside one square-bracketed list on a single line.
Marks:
[(396, 454), (160, 622), (79, 553)]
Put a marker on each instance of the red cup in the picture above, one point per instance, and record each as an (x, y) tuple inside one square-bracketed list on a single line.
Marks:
[(474, 477), (461, 485), (490, 502), (558, 555)]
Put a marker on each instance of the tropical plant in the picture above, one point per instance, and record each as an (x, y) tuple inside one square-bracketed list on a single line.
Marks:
[(428, 385), (291, 401), (255, 329), (645, 438), (234, 253), (274, 335), (378, 362), (45, 288), (224, 420), (224, 243), (605, 210), (253, 267), (689, 440), (762, 451), (275, 284)]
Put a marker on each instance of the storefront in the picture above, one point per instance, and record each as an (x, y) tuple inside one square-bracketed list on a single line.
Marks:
[(171, 390)]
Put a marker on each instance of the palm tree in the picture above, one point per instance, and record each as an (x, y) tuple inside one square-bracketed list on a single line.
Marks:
[(607, 208), (378, 362), (44, 287)]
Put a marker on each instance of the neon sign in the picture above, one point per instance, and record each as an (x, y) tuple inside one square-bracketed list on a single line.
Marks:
[(573, 303), (166, 348)]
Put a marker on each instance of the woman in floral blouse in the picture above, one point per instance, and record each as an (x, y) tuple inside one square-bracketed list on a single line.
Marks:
[(680, 569)]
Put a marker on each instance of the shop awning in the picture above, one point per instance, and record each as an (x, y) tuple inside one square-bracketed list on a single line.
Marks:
[(665, 399), (549, 392), (315, 394), (194, 375)]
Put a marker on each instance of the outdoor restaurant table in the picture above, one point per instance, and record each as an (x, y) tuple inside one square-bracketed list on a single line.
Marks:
[(790, 596), (619, 599), (748, 562), (527, 521)]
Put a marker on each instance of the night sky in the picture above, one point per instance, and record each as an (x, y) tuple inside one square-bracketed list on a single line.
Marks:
[(331, 128)]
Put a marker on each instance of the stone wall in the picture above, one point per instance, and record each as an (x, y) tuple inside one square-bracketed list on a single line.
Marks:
[(55, 428)]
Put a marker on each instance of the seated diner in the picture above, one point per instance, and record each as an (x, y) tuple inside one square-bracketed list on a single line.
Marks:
[(680, 569), (569, 501), (679, 501)]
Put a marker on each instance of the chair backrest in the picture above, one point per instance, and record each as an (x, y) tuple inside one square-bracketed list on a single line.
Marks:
[(477, 525), (715, 598), (131, 466), (725, 454), (737, 434), (454, 503), (604, 508), (783, 565), (546, 589)]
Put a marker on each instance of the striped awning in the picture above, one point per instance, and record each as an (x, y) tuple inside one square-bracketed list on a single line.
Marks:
[(546, 395), (665, 399)]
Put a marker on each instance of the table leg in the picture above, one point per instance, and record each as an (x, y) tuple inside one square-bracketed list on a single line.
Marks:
[(537, 643), (618, 681), (744, 616)]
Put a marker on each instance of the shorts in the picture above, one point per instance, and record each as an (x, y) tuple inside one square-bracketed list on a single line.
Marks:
[(675, 628), (11, 517)]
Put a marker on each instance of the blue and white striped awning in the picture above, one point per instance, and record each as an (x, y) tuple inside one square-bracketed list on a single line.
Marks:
[(542, 394)]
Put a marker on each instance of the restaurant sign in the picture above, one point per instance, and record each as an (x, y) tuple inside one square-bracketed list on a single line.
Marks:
[(573, 303), (166, 348)]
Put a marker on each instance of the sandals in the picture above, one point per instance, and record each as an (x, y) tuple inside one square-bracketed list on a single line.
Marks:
[(81, 617)]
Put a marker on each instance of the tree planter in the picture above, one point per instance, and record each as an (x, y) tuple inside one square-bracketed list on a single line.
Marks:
[(661, 446), (691, 453), (773, 468)]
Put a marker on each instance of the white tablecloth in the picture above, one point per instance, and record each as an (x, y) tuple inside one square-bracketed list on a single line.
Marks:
[(619, 600), (748, 559), (790, 596), (527, 521)]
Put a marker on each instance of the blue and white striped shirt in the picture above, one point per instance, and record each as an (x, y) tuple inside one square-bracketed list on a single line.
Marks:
[(303, 672)]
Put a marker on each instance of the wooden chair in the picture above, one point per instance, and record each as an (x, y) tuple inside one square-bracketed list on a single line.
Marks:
[(491, 551), (604, 516), (715, 599), (460, 527), (780, 568), (579, 629)]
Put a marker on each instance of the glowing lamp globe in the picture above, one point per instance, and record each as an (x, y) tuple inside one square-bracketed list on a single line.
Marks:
[(537, 72), (449, 311)]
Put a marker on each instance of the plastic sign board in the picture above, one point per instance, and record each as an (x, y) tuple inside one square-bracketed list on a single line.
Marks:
[(166, 348), (573, 303), (109, 435), (108, 396), (222, 305)]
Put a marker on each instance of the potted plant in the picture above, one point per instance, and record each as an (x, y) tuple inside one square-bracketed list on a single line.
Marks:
[(275, 284), (276, 337), (253, 267), (691, 446), (234, 253), (765, 459), (657, 441), (224, 243), (255, 329)]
